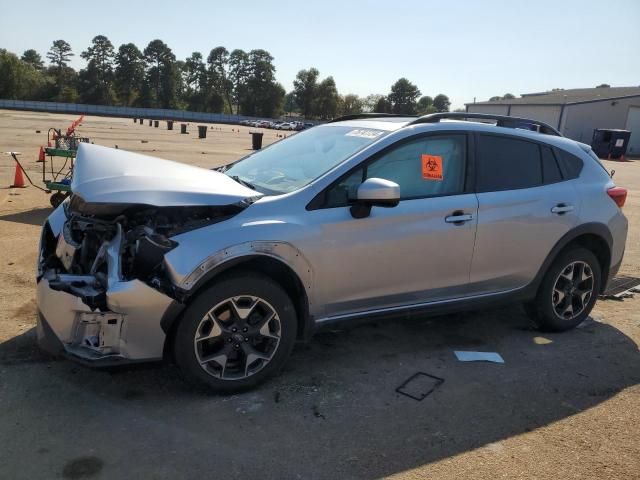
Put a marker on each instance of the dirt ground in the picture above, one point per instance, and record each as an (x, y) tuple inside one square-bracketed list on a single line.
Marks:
[(562, 406)]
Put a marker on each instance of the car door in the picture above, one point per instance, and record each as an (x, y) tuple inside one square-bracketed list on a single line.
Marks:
[(525, 205), (418, 251)]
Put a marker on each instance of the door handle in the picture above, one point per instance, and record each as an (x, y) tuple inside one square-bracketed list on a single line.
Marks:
[(458, 218), (562, 208)]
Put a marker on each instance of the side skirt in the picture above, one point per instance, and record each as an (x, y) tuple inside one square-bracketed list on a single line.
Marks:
[(440, 307)]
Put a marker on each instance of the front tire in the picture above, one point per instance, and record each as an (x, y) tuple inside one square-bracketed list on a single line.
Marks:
[(568, 292), (237, 333)]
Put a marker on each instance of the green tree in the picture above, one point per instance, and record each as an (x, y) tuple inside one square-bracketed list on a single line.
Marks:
[(290, 105), (351, 104), (196, 82), (506, 96), (95, 82), (304, 88), (33, 58), (383, 105), (59, 56), (60, 53), (403, 97), (425, 105), (326, 99), (441, 103), (159, 89), (19, 80), (129, 73), (371, 101), (239, 71), (218, 69), (604, 85), (264, 96)]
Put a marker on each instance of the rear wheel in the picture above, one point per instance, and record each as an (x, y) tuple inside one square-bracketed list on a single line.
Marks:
[(236, 333), (568, 291)]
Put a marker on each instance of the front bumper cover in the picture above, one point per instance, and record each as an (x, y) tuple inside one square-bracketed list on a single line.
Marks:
[(128, 330)]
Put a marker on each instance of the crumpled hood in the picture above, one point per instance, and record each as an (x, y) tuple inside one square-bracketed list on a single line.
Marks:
[(108, 175)]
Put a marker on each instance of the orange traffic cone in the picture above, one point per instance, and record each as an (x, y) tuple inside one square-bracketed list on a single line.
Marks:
[(18, 179), (40, 156)]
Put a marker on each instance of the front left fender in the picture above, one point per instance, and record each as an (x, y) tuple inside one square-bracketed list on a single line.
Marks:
[(282, 251)]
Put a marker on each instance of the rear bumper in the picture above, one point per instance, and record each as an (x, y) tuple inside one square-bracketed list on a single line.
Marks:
[(613, 271)]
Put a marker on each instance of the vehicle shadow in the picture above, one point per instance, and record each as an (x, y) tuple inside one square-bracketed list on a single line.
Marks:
[(36, 216), (334, 412)]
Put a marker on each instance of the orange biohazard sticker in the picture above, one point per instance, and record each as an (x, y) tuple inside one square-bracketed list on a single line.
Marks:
[(432, 167)]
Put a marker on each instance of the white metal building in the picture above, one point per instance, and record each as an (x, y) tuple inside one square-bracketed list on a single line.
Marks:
[(576, 112)]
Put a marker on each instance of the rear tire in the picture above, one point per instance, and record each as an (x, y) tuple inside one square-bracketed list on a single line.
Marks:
[(236, 333), (568, 291)]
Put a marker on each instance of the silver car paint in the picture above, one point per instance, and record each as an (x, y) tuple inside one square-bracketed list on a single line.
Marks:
[(140, 307), (397, 256), (107, 175), (402, 256), (516, 231)]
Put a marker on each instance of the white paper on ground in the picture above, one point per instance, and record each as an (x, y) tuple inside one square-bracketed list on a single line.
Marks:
[(478, 356)]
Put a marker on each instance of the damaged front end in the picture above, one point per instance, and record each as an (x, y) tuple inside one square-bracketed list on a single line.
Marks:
[(103, 287)]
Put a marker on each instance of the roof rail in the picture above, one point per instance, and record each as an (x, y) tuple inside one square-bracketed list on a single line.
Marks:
[(501, 121), (357, 116)]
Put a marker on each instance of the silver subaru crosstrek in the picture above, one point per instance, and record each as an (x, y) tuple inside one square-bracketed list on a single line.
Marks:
[(371, 215)]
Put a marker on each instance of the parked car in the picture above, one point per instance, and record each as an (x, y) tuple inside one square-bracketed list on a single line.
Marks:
[(223, 270)]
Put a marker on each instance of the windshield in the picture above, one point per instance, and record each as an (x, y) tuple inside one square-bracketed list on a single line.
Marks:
[(291, 164)]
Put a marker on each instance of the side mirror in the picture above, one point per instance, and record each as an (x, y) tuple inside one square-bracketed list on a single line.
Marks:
[(375, 192)]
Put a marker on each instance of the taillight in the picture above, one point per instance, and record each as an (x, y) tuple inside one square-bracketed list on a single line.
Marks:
[(618, 195)]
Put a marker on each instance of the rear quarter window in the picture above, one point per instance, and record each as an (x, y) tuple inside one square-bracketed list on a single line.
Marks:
[(570, 164), (550, 169)]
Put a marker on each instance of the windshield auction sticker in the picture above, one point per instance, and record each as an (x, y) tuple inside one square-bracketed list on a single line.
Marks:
[(364, 133), (432, 167)]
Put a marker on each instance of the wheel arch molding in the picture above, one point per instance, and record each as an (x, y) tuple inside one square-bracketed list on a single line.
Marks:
[(593, 236), (280, 261)]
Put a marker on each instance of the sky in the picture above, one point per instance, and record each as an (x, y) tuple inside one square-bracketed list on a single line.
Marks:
[(465, 49)]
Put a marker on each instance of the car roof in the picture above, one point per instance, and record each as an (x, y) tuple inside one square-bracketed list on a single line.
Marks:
[(434, 118), (391, 124)]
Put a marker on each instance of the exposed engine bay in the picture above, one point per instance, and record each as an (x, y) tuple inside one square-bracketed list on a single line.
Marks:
[(100, 243)]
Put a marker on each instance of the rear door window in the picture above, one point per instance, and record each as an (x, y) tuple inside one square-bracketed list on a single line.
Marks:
[(506, 163)]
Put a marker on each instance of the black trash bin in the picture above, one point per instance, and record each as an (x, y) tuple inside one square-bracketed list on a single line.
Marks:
[(202, 131), (610, 143), (150, 122), (183, 128), (169, 124), (142, 121), (256, 140), (156, 123)]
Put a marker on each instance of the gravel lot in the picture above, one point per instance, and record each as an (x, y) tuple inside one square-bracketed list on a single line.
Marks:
[(562, 406)]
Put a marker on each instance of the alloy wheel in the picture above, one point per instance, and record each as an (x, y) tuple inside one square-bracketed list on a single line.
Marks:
[(237, 338), (572, 290)]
